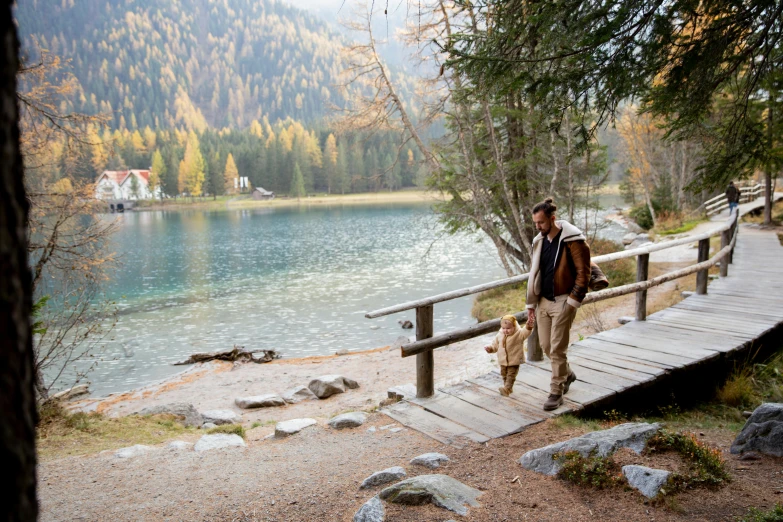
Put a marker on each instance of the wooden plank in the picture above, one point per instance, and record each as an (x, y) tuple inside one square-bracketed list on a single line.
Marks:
[(629, 363), (688, 304), (756, 316), (474, 418), (440, 429), (657, 334), (525, 396), (718, 317), (601, 366), (710, 325), (602, 379), (581, 392), (667, 360), (695, 350), (495, 403), (701, 333)]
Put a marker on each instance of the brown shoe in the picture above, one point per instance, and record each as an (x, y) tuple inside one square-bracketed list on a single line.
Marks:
[(553, 402), (503, 391), (567, 385)]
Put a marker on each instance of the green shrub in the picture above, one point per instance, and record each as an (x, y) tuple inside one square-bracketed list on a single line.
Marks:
[(756, 515), (641, 214), (593, 471), (707, 467), (235, 429), (620, 272)]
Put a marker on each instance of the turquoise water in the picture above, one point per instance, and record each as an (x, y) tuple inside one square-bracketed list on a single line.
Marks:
[(296, 280)]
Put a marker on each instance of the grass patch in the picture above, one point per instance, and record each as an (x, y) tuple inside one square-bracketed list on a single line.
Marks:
[(229, 429), (61, 433), (673, 224), (706, 465), (498, 302), (620, 272), (593, 471), (756, 515), (568, 421)]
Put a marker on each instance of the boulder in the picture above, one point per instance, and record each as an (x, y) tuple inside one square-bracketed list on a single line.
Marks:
[(298, 394), (132, 451), (382, 477), (407, 325), (179, 445), (70, 393), (327, 385), (371, 511), (268, 400), (629, 237), (648, 481), (763, 431), (289, 427), (429, 460), (401, 391), (440, 490), (352, 419), (219, 441), (400, 342), (208, 426), (632, 435), (185, 410), (625, 319), (221, 417)]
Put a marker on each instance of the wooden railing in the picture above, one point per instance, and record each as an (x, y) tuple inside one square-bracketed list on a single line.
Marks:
[(748, 192), (425, 343)]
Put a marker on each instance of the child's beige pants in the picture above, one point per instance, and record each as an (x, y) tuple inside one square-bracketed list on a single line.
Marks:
[(509, 375)]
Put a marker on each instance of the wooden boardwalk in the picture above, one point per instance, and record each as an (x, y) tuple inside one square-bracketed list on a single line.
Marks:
[(737, 310)]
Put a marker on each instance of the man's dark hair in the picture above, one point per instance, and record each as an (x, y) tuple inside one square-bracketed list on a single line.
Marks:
[(731, 183), (546, 206)]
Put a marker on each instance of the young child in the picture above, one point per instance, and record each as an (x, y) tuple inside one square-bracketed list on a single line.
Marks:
[(509, 344)]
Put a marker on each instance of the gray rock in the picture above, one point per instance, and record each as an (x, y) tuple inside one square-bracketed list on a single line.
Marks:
[(383, 477), (327, 385), (631, 435), (628, 238), (400, 342), (763, 431), (179, 445), (429, 460), (298, 394), (289, 427), (371, 511), (342, 352), (441, 490), (401, 391), (208, 426), (70, 393), (132, 451), (371, 429), (625, 319), (352, 419), (268, 400), (648, 481), (181, 409), (221, 417), (406, 325), (396, 430), (219, 441)]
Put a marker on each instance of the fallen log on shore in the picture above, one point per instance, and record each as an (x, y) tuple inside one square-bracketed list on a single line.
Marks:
[(238, 353)]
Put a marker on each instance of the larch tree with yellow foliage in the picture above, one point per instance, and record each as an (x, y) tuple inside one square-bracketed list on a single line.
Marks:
[(230, 176), (192, 168)]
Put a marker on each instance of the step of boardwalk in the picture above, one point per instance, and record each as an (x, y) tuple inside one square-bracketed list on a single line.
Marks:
[(735, 312)]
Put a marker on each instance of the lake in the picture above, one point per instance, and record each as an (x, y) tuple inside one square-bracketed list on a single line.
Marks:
[(296, 280)]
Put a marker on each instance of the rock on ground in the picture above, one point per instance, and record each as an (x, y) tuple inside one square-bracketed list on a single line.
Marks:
[(221, 417), (269, 400), (298, 394), (218, 441), (763, 431), (383, 477), (352, 419), (429, 460), (441, 490), (208, 426), (132, 451), (181, 409), (648, 481), (179, 445), (327, 385), (70, 393), (371, 511), (628, 238), (289, 427), (631, 435)]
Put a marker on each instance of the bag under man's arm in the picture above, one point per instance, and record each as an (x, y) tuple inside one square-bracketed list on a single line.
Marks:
[(580, 254)]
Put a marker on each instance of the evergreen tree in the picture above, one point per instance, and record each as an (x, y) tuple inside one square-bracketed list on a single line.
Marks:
[(297, 183), (330, 163)]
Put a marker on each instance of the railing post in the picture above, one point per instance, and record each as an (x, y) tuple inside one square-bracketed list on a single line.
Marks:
[(734, 230), (534, 351), (725, 239), (425, 362), (642, 265), (702, 275)]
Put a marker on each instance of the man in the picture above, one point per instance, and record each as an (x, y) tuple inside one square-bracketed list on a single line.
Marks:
[(733, 196), (559, 275)]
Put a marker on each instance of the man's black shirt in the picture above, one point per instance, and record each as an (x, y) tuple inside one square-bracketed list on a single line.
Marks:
[(548, 261)]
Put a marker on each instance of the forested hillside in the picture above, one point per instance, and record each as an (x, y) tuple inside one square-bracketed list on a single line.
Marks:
[(192, 63)]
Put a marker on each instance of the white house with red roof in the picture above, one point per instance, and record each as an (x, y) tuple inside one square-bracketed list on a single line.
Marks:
[(125, 184)]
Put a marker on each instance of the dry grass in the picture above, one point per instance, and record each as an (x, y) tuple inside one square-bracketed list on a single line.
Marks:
[(499, 302), (669, 223), (758, 218), (63, 434)]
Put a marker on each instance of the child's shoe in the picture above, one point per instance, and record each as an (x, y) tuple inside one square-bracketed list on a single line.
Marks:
[(503, 391)]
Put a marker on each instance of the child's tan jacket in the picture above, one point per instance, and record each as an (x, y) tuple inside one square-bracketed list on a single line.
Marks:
[(511, 349)]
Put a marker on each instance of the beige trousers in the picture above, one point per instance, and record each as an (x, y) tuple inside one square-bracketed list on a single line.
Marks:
[(554, 319), (509, 376)]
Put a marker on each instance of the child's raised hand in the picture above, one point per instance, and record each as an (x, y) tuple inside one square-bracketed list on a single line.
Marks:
[(488, 349)]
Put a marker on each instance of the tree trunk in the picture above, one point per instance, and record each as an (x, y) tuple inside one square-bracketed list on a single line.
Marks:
[(768, 170), (17, 395)]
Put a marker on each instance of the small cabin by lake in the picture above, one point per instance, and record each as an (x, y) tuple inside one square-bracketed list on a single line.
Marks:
[(261, 193)]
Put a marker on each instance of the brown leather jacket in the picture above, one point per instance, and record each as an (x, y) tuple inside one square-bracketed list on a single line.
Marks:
[(572, 273)]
